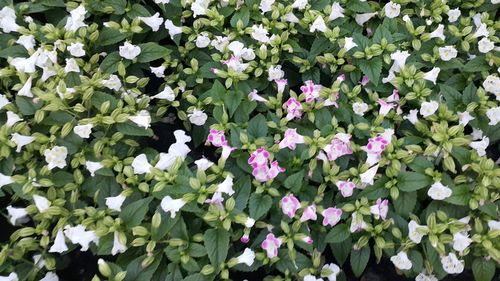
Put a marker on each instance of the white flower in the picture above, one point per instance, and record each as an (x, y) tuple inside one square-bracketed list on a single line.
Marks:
[(50, 276), (413, 234), (166, 94), (447, 53), (438, 33), (76, 49), (220, 43), (11, 277), (290, 17), (172, 29), (56, 157), (247, 257), (112, 83), (142, 119), (482, 30), (158, 71), (432, 74), (491, 84), (253, 96), (27, 41), (78, 235), (461, 241), (438, 191), (428, 108), (406, 18), (226, 186), (83, 131), (476, 134), (367, 177), (360, 108), (259, 33), (172, 205), (362, 18), (464, 118), (349, 43), (162, 1), (310, 277), (21, 140), (166, 161), (299, 4), (41, 203), (3, 101), (59, 243), (71, 66), (249, 222), (153, 21), (26, 65), (392, 9), (412, 116), (337, 11), (485, 45), (75, 20), (266, 5), (26, 89), (129, 51), (453, 14), (318, 24), (203, 164), (480, 146), (8, 20), (275, 73), (451, 264), (494, 115), (118, 246), (494, 225), (401, 261), (198, 117), (399, 58), (17, 214), (92, 167), (199, 7), (333, 271), (12, 119), (423, 276), (141, 164), (202, 41)]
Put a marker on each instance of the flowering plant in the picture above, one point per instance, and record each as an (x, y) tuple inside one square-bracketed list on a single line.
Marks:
[(196, 140)]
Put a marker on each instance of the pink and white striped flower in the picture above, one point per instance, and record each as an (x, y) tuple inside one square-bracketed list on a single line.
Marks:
[(293, 108), (271, 245), (281, 84), (309, 213), (331, 216), (374, 149), (339, 146), (346, 188), (310, 90), (291, 139), (274, 170), (260, 173), (380, 209), (289, 205), (259, 157), (217, 138)]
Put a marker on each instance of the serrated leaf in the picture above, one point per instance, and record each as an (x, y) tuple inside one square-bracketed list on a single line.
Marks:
[(338, 234), (216, 243), (129, 128), (460, 196), (257, 126), (483, 269), (372, 69), (151, 51), (411, 181), (295, 181), (359, 260), (133, 213), (242, 14), (405, 203), (259, 205), (110, 36)]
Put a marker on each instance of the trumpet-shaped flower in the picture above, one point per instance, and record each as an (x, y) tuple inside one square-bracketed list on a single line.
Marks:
[(271, 245), (291, 139), (331, 216), (59, 245), (247, 257), (289, 205), (78, 235), (401, 261), (172, 206), (115, 202)]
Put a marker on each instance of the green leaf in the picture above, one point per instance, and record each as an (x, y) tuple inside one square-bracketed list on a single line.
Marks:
[(129, 128), (242, 187), (411, 181), (419, 164), (133, 214), (13, 52), (377, 190), (338, 234), (259, 205), (483, 269), (341, 250), (110, 36), (359, 260), (257, 126), (217, 245), (27, 106), (451, 95), (232, 100), (460, 196), (242, 14), (416, 260), (135, 271), (151, 51), (110, 63), (477, 64), (295, 181), (405, 203), (372, 68)]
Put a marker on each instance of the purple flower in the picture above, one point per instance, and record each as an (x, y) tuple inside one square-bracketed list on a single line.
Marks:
[(331, 216), (271, 245), (289, 205)]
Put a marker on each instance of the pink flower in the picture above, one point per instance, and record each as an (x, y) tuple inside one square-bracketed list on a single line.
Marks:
[(365, 80), (281, 83), (346, 188), (217, 200), (234, 63), (339, 146), (331, 216), (332, 100), (380, 209), (258, 157), (253, 96), (217, 138), (291, 139), (341, 77), (271, 245), (309, 213), (357, 223), (289, 205), (308, 240), (293, 108), (260, 173), (376, 145), (310, 90), (274, 170), (245, 238), (385, 107)]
